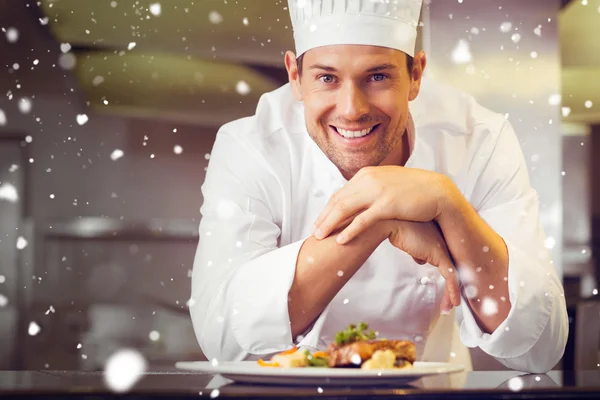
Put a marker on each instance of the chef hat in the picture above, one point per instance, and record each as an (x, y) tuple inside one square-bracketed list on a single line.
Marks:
[(387, 23)]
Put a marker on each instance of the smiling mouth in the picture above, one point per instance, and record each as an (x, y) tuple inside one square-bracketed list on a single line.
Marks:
[(351, 134)]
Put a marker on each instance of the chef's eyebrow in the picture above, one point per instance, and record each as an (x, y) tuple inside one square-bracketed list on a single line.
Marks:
[(377, 68)]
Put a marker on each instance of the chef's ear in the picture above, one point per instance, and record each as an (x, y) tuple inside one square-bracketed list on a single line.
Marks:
[(293, 74), (416, 74)]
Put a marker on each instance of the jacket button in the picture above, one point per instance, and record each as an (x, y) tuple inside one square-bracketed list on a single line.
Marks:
[(317, 193), (425, 280)]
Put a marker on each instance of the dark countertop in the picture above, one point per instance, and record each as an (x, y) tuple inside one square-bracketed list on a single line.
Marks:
[(183, 384)]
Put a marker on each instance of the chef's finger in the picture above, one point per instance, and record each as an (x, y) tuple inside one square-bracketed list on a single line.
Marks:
[(344, 208), (359, 224), (450, 274), (446, 304)]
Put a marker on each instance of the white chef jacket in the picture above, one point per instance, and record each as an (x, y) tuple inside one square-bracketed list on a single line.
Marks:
[(266, 183)]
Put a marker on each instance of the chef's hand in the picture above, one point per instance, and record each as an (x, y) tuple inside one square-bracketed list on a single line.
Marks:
[(381, 193), (424, 242)]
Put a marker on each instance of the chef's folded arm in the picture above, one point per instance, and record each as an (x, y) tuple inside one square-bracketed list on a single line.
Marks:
[(241, 275), (533, 336)]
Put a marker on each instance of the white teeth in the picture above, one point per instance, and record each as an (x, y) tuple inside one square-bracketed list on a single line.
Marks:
[(354, 134)]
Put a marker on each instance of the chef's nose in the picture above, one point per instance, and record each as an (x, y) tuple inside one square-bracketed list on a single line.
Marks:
[(352, 102)]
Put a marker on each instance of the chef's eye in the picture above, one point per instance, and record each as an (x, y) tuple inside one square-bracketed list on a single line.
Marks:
[(327, 78), (379, 77)]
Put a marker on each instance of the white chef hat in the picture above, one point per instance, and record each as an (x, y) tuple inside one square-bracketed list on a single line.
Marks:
[(386, 23)]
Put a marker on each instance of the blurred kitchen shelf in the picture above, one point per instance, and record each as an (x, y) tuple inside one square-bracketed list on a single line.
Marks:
[(105, 229)]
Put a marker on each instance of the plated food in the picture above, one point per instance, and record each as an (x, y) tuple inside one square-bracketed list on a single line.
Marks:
[(354, 347)]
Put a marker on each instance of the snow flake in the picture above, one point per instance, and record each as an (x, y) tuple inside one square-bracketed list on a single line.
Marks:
[(116, 154), (242, 88), (515, 384), (33, 329), (154, 336), (215, 18), (489, 306), (155, 9), (21, 243), (461, 54), (82, 119), (25, 105), (123, 369), (506, 27), (65, 47), (98, 80), (8, 192), (12, 35)]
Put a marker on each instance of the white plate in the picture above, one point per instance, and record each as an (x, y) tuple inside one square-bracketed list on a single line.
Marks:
[(251, 372)]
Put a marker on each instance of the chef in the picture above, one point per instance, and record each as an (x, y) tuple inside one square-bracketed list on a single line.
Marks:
[(361, 192)]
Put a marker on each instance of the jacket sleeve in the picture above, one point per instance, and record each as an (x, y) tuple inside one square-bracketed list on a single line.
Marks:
[(533, 336), (241, 276)]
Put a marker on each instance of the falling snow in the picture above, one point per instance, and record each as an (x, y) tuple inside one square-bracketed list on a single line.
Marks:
[(154, 336), (21, 243), (131, 46), (515, 384), (98, 80), (471, 291), (461, 54), (50, 310), (2, 279), (65, 47), (2, 118), (588, 104), (33, 329), (506, 27), (155, 9), (116, 154), (8, 192), (177, 149), (214, 394), (12, 35), (245, 21), (555, 99), (67, 61), (214, 17), (242, 88), (123, 369), (82, 119), (3, 301), (25, 105)]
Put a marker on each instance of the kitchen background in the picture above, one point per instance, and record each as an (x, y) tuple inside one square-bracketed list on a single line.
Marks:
[(108, 112)]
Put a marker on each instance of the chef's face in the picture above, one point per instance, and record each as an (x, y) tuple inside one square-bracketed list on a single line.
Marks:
[(356, 102)]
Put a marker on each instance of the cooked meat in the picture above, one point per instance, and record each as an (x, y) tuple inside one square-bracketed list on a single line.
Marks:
[(354, 354)]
